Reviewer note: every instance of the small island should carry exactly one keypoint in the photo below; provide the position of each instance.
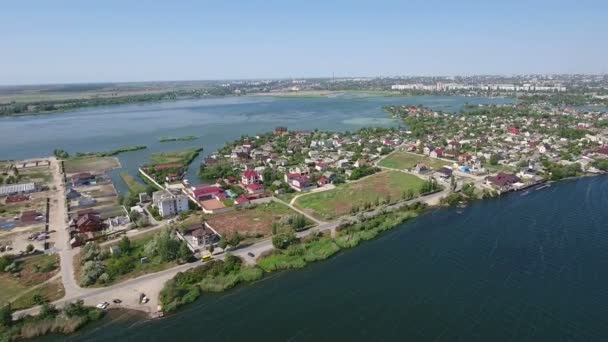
(184, 138)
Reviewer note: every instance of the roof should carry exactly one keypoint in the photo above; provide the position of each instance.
(254, 187)
(241, 199)
(206, 190)
(82, 175)
(503, 179)
(86, 218)
(250, 174)
(16, 188)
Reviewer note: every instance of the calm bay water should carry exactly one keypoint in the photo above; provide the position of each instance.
(516, 268)
(215, 121)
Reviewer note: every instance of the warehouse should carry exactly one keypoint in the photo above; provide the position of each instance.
(11, 189)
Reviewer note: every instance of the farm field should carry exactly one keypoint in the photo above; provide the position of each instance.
(405, 160)
(331, 204)
(250, 222)
(90, 164)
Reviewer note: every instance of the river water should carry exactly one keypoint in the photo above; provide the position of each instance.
(516, 268)
(215, 120)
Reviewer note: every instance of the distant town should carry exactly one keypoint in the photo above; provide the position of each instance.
(563, 89)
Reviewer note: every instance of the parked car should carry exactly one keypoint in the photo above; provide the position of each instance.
(103, 305)
(117, 301)
(251, 254)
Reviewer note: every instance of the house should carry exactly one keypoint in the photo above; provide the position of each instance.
(204, 192)
(464, 157)
(421, 168)
(72, 194)
(323, 181)
(241, 200)
(144, 197)
(202, 236)
(361, 162)
(444, 172)
(513, 130)
(172, 177)
(250, 177)
(280, 130)
(298, 182)
(503, 181)
(254, 188)
(89, 222)
(169, 204)
(436, 153)
(320, 166)
(83, 178)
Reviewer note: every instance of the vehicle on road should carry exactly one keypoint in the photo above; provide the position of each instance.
(143, 299)
(103, 305)
(251, 254)
(117, 301)
(206, 257)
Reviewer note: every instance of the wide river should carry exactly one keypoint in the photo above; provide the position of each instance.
(216, 121)
(517, 268)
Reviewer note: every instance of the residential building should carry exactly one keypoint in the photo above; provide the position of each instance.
(169, 204)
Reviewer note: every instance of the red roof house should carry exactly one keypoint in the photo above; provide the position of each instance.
(250, 177)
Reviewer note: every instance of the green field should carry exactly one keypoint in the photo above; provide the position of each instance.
(31, 271)
(90, 164)
(404, 160)
(388, 185)
(183, 157)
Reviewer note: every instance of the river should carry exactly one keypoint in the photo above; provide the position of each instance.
(515, 268)
(215, 120)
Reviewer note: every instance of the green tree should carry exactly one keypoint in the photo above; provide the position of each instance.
(222, 243)
(125, 245)
(184, 254)
(6, 315)
(284, 238)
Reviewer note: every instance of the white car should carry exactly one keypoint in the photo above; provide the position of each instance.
(103, 305)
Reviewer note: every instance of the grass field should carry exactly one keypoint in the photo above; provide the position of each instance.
(404, 160)
(253, 221)
(182, 156)
(90, 164)
(341, 200)
(50, 292)
(36, 174)
(133, 185)
(29, 275)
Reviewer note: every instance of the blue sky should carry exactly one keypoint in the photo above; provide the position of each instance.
(97, 41)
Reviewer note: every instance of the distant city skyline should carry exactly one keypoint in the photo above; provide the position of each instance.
(113, 41)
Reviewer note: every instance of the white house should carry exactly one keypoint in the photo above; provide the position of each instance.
(169, 204)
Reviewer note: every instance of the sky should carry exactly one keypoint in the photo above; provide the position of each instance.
(121, 41)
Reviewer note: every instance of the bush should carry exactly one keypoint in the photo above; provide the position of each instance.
(90, 272)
